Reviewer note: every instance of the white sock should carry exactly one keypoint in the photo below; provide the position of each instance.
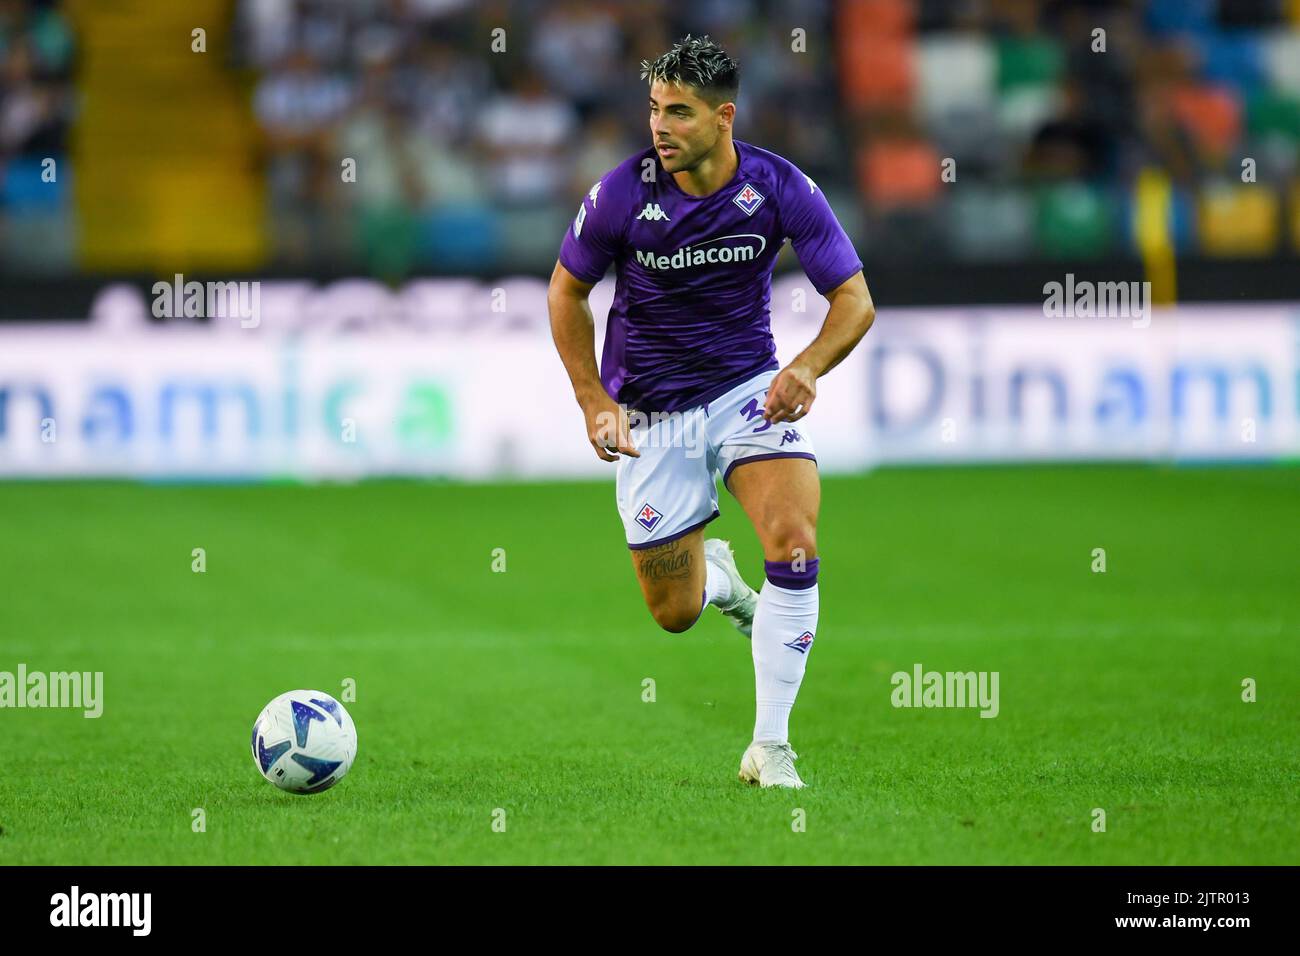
(717, 586)
(780, 648)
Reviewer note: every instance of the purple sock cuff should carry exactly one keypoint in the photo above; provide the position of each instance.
(782, 574)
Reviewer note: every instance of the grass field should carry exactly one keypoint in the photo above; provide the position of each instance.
(522, 690)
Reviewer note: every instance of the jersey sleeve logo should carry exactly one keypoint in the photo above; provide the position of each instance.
(582, 217)
(748, 199)
(595, 190)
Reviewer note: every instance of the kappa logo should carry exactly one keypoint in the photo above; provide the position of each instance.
(791, 435)
(648, 517)
(748, 199)
(801, 643)
(653, 213)
(595, 191)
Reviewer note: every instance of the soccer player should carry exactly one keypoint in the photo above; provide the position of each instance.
(689, 385)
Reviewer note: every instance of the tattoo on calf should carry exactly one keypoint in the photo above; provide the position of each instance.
(666, 561)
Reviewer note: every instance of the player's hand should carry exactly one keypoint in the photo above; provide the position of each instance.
(791, 394)
(607, 428)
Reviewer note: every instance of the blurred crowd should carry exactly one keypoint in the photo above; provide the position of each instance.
(472, 147)
(36, 110)
(969, 130)
(1070, 122)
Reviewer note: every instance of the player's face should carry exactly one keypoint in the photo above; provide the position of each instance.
(683, 127)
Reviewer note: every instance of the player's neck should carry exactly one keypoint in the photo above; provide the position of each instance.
(713, 172)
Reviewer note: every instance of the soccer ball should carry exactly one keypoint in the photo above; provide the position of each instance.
(304, 741)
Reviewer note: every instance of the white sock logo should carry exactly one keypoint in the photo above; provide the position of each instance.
(801, 643)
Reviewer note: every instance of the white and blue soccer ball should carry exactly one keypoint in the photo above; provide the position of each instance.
(304, 741)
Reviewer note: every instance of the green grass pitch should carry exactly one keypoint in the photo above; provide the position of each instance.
(522, 690)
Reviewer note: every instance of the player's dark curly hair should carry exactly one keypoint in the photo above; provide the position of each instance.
(698, 62)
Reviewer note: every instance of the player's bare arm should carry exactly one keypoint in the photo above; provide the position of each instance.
(574, 330)
(795, 388)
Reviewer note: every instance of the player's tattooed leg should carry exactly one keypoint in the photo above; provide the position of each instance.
(672, 580)
(667, 561)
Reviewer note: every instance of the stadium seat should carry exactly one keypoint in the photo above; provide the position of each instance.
(899, 172)
(1023, 110)
(1074, 219)
(1171, 17)
(1029, 61)
(388, 238)
(874, 39)
(877, 17)
(22, 189)
(460, 237)
(1280, 54)
(877, 72)
(991, 222)
(530, 234)
(1270, 113)
(1231, 59)
(1210, 114)
(964, 136)
(954, 72)
(1236, 219)
(1028, 79)
(38, 241)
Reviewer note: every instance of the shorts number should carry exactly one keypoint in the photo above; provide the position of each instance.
(752, 411)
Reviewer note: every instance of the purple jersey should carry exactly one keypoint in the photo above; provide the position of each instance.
(690, 315)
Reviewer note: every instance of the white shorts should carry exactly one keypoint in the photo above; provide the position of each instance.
(671, 489)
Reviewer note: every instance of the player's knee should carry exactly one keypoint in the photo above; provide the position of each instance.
(789, 539)
(674, 617)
